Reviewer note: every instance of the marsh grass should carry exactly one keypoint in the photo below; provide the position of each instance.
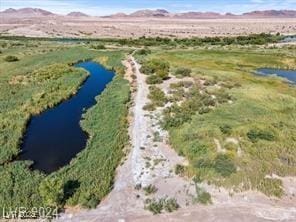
(259, 112)
(43, 77)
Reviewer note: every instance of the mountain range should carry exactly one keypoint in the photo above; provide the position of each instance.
(161, 13)
(158, 13)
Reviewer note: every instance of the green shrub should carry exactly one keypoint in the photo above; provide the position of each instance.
(197, 148)
(225, 129)
(157, 96)
(203, 163)
(182, 72)
(162, 73)
(143, 51)
(11, 59)
(224, 165)
(154, 66)
(171, 205)
(150, 189)
(204, 198)
(271, 187)
(179, 169)
(98, 47)
(52, 192)
(19, 186)
(157, 206)
(254, 135)
(149, 107)
(153, 79)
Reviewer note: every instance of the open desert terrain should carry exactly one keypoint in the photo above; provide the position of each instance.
(97, 27)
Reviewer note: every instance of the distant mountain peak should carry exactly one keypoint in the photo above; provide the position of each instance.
(9, 10)
(159, 13)
(77, 14)
(27, 12)
(150, 13)
(272, 13)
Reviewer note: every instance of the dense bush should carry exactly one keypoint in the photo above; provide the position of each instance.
(157, 96)
(179, 169)
(257, 39)
(149, 107)
(154, 206)
(153, 79)
(143, 51)
(224, 165)
(226, 129)
(150, 189)
(19, 186)
(11, 59)
(176, 115)
(182, 72)
(52, 192)
(98, 47)
(255, 134)
(171, 205)
(154, 66)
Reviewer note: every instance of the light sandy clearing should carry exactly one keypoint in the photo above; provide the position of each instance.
(95, 27)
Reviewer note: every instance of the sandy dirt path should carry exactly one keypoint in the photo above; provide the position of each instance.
(152, 162)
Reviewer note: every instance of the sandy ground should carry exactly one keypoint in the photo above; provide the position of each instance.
(125, 203)
(59, 26)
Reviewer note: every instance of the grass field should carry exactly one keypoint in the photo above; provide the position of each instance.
(242, 127)
(41, 77)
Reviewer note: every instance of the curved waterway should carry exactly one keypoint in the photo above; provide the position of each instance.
(54, 137)
(287, 74)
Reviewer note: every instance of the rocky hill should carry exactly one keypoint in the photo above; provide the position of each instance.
(26, 12)
(77, 14)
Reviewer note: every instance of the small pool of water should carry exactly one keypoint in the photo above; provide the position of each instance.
(54, 137)
(288, 74)
(289, 39)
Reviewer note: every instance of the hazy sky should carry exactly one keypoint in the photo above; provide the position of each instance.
(105, 7)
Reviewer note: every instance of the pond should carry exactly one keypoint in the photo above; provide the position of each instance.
(289, 39)
(287, 74)
(54, 137)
